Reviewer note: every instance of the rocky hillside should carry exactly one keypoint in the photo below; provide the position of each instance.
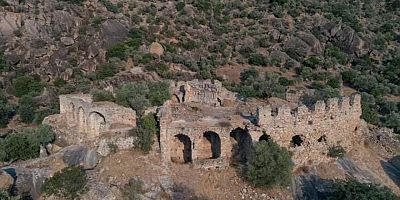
(74, 46)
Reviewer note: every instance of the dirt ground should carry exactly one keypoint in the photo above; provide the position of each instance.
(222, 184)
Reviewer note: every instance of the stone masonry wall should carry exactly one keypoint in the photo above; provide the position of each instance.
(335, 122)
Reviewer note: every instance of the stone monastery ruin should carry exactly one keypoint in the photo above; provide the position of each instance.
(89, 120)
(208, 126)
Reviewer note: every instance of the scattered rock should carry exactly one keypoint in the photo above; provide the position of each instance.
(6, 181)
(67, 41)
(156, 49)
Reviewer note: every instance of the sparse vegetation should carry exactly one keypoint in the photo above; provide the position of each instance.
(352, 189)
(25, 85)
(336, 152)
(69, 183)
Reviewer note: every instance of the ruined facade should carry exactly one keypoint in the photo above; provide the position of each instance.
(212, 134)
(81, 119)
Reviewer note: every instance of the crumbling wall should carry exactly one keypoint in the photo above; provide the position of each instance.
(206, 92)
(87, 120)
(308, 133)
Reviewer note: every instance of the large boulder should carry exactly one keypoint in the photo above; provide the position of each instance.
(156, 49)
(6, 180)
(113, 32)
(80, 155)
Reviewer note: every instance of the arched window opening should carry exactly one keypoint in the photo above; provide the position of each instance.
(322, 139)
(297, 141)
(264, 137)
(215, 141)
(182, 149)
(242, 146)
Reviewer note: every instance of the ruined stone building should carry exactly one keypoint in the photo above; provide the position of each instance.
(82, 121)
(198, 127)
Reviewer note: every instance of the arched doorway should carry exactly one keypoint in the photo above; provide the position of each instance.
(214, 147)
(264, 137)
(242, 146)
(96, 124)
(297, 141)
(181, 149)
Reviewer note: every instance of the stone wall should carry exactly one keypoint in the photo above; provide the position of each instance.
(224, 133)
(206, 92)
(308, 133)
(89, 120)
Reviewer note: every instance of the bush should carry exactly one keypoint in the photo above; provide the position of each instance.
(102, 95)
(26, 109)
(269, 165)
(353, 190)
(20, 146)
(133, 190)
(146, 130)
(69, 183)
(336, 152)
(106, 70)
(258, 59)
(117, 51)
(24, 85)
(140, 95)
(6, 111)
(25, 145)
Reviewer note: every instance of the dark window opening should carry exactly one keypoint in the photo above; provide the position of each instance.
(297, 141)
(264, 137)
(322, 139)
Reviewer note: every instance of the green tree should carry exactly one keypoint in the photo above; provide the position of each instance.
(69, 183)
(44, 134)
(146, 130)
(26, 109)
(354, 190)
(6, 113)
(269, 165)
(21, 146)
(24, 85)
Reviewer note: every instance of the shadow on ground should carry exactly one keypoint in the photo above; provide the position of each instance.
(392, 169)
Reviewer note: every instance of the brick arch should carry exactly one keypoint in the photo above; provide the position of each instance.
(211, 145)
(96, 123)
(241, 144)
(181, 149)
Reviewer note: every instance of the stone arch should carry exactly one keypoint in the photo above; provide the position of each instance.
(183, 91)
(297, 141)
(181, 149)
(242, 145)
(213, 149)
(81, 119)
(264, 137)
(176, 98)
(71, 115)
(96, 124)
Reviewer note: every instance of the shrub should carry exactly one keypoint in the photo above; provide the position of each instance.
(117, 51)
(26, 85)
(133, 190)
(140, 95)
(106, 70)
(102, 95)
(269, 165)
(258, 59)
(147, 129)
(336, 152)
(352, 190)
(25, 145)
(69, 183)
(6, 112)
(20, 146)
(26, 109)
